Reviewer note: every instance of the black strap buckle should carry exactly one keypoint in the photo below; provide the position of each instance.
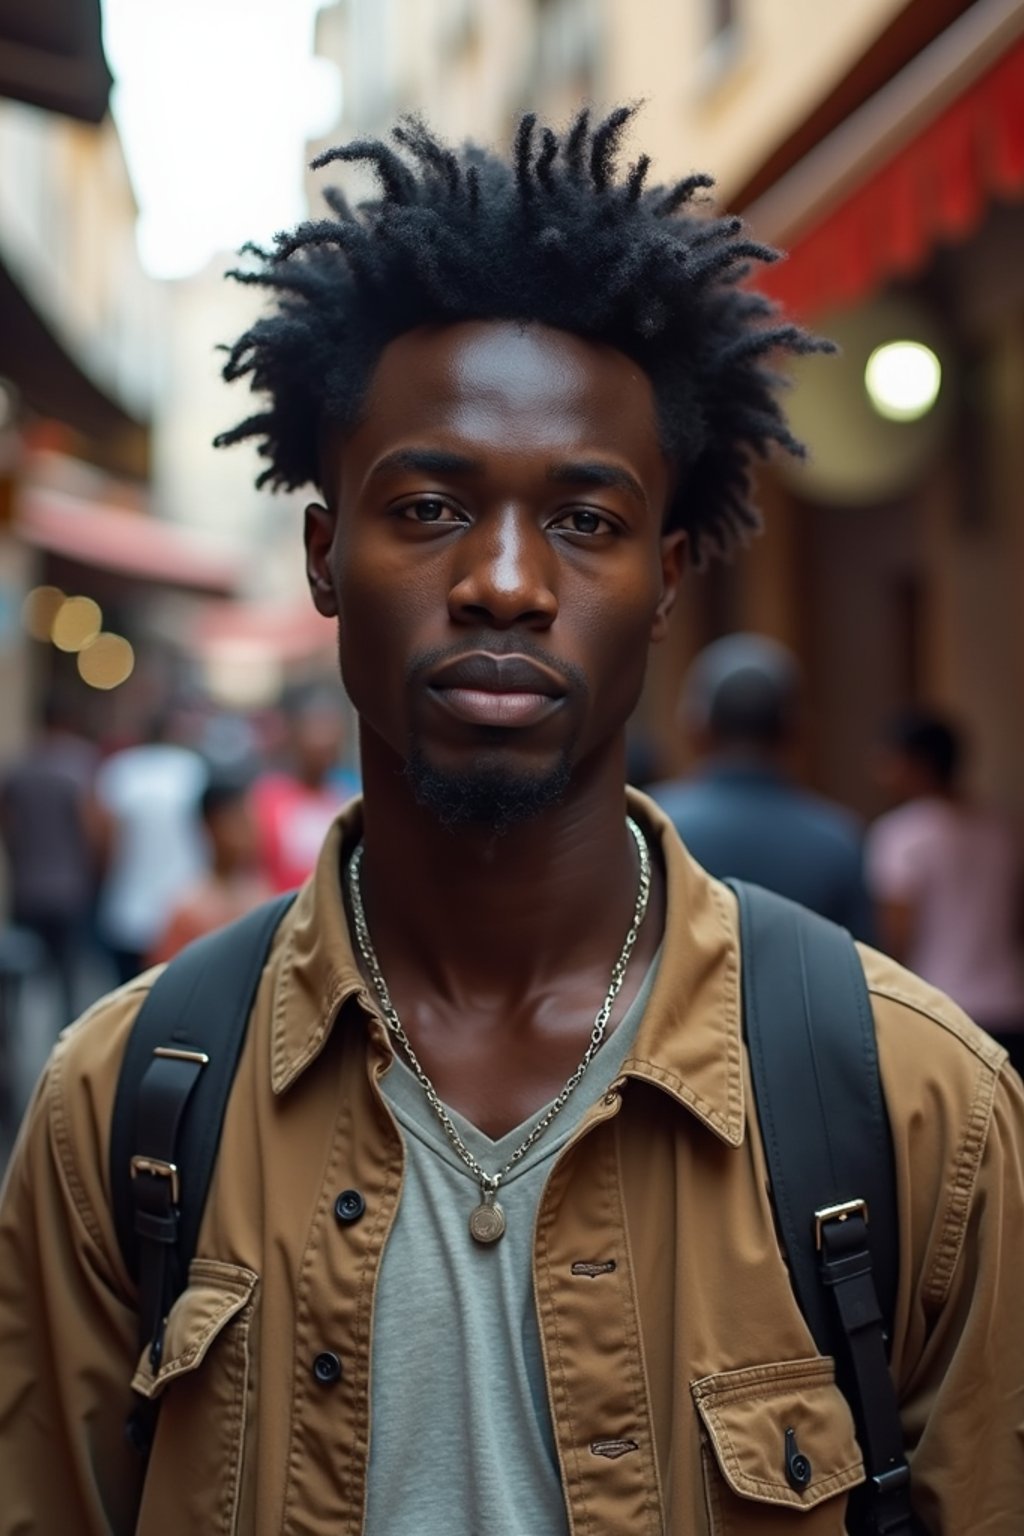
(160, 1169)
(841, 1212)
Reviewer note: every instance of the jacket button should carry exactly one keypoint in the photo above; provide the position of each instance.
(327, 1368)
(349, 1205)
(798, 1468)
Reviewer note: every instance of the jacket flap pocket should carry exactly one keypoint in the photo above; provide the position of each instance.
(215, 1294)
(747, 1415)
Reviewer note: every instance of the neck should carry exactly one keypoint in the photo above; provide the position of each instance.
(470, 912)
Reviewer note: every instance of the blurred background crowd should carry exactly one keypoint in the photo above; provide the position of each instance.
(172, 738)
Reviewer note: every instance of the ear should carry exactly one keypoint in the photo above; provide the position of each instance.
(318, 536)
(673, 565)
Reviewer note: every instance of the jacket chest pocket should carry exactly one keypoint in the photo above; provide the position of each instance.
(194, 1477)
(779, 1449)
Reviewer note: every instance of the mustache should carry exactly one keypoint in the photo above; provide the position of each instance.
(426, 663)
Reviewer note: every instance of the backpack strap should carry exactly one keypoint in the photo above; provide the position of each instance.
(814, 1063)
(176, 1075)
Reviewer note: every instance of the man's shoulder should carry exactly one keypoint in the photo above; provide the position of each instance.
(68, 1121)
(89, 1051)
(956, 1112)
(938, 1066)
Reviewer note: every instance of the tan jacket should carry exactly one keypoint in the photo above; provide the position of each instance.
(673, 1371)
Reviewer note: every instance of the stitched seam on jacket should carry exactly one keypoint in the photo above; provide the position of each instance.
(303, 1316)
(683, 1090)
(183, 1362)
(965, 1175)
(980, 1045)
(236, 1426)
(726, 904)
(65, 1159)
(363, 1332)
(637, 1382)
(833, 1483)
(811, 1372)
(713, 1480)
(725, 1399)
(561, 1384)
(285, 1071)
(635, 1336)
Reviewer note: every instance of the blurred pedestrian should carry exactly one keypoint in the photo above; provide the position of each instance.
(741, 814)
(233, 884)
(149, 800)
(946, 877)
(295, 805)
(50, 835)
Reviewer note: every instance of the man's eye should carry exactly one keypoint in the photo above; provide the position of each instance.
(428, 509)
(583, 520)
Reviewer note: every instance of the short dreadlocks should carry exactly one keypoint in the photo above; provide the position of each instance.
(556, 237)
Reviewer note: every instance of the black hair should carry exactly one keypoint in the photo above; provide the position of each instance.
(743, 689)
(555, 236)
(749, 709)
(931, 741)
(223, 788)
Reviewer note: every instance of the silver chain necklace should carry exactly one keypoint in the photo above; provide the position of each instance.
(487, 1220)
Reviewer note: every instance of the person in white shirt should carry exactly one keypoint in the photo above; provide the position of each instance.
(945, 876)
(148, 797)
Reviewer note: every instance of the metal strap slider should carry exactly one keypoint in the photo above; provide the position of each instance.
(837, 1213)
(161, 1170)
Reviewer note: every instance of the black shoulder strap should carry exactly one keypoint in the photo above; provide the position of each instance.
(172, 1092)
(814, 1063)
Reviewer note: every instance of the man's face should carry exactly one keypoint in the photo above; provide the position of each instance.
(492, 546)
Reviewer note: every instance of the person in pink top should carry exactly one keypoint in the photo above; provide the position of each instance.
(945, 876)
(233, 883)
(295, 806)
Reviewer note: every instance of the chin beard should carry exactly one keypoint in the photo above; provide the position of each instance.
(486, 796)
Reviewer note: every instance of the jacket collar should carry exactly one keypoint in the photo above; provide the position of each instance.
(689, 1043)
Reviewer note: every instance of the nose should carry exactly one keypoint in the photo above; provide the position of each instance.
(506, 575)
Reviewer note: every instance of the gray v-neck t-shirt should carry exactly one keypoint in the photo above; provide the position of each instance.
(461, 1435)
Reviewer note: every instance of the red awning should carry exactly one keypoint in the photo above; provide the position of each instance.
(935, 189)
(284, 631)
(131, 544)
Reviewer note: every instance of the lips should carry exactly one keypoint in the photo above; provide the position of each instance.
(507, 691)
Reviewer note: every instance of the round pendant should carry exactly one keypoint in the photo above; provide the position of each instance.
(487, 1222)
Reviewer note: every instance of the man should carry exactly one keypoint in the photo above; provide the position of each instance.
(490, 1215)
(741, 815)
(49, 831)
(148, 796)
(946, 876)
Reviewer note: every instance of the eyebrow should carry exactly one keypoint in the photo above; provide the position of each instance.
(439, 461)
(594, 473)
(429, 461)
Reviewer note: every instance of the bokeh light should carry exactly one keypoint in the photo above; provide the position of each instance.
(39, 610)
(107, 663)
(76, 624)
(903, 379)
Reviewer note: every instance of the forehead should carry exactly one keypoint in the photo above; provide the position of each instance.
(512, 387)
